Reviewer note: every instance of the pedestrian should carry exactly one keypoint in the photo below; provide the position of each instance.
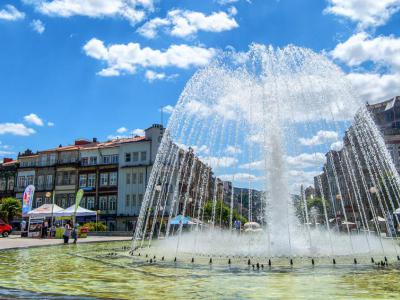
(45, 228)
(23, 225)
(67, 232)
(74, 233)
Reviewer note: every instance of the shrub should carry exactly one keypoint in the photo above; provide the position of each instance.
(93, 226)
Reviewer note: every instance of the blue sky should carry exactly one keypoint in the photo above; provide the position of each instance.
(72, 68)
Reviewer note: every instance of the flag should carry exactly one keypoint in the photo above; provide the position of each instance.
(78, 199)
(27, 199)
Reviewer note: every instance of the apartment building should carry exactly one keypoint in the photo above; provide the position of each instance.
(8, 171)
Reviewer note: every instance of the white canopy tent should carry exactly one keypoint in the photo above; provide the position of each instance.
(44, 211)
(80, 212)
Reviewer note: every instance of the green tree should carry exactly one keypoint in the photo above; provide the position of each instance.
(222, 212)
(10, 208)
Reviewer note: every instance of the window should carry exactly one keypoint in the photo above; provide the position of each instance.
(49, 180)
(106, 159)
(112, 203)
(71, 199)
(52, 159)
(103, 179)
(140, 199)
(90, 202)
(72, 178)
(85, 161)
(140, 178)
(114, 159)
(83, 202)
(43, 160)
(134, 203)
(143, 156)
(113, 178)
(135, 156)
(134, 178)
(127, 157)
(59, 178)
(21, 181)
(11, 184)
(82, 180)
(47, 200)
(91, 181)
(39, 202)
(128, 201)
(103, 203)
(128, 178)
(29, 179)
(40, 181)
(2, 184)
(65, 178)
(93, 160)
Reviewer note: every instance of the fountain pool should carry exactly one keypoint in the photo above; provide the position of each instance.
(88, 271)
(248, 134)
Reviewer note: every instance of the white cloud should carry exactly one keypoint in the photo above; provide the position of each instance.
(233, 150)
(132, 10)
(306, 160)
(50, 124)
(239, 177)
(367, 13)
(361, 48)
(151, 75)
(38, 26)
(320, 138)
(183, 23)
(168, 109)
(219, 161)
(255, 165)
(382, 51)
(138, 131)
(375, 87)
(122, 130)
(33, 119)
(10, 13)
(225, 2)
(298, 178)
(125, 58)
(15, 129)
(337, 145)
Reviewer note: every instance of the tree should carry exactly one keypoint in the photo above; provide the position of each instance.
(222, 212)
(9, 208)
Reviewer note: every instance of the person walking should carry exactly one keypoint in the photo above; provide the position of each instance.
(67, 232)
(74, 233)
(45, 228)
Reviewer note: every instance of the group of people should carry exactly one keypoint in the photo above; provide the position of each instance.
(70, 231)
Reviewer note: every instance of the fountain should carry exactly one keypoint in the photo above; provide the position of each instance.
(270, 122)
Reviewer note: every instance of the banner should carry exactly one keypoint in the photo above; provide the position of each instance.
(78, 199)
(27, 199)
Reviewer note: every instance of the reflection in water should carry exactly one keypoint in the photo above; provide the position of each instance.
(91, 271)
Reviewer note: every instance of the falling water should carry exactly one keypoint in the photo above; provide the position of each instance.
(248, 133)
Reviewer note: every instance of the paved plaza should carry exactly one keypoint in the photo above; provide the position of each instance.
(14, 241)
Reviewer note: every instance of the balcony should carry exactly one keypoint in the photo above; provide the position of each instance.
(44, 187)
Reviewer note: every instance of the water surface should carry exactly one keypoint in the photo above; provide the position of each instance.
(93, 271)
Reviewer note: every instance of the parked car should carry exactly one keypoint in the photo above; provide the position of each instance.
(5, 229)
